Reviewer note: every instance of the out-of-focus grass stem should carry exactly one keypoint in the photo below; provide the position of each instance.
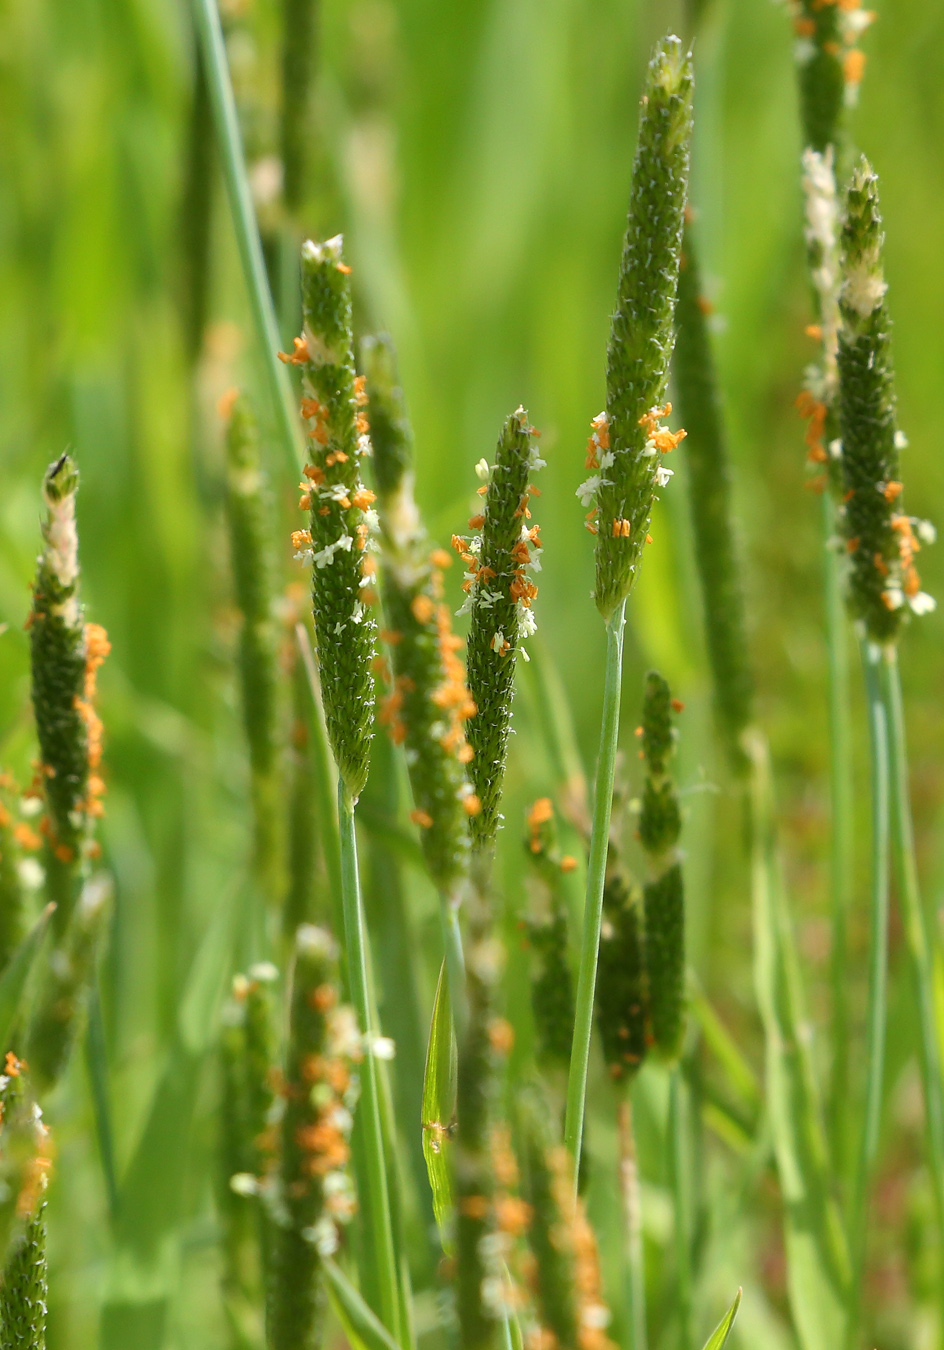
(904, 864)
(634, 1266)
(596, 872)
(857, 1218)
(207, 19)
(677, 1179)
(841, 837)
(356, 942)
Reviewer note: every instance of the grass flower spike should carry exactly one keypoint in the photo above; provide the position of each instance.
(710, 504)
(880, 540)
(25, 1147)
(429, 703)
(500, 592)
(340, 506)
(622, 983)
(629, 440)
(66, 654)
(247, 512)
(829, 63)
(314, 1193)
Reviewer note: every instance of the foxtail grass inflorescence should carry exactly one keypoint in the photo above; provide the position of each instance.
(247, 513)
(499, 557)
(429, 703)
(313, 1191)
(567, 1286)
(300, 19)
(340, 506)
(25, 1154)
(66, 654)
(552, 988)
(622, 981)
(711, 507)
(880, 540)
(829, 63)
(627, 446)
(628, 440)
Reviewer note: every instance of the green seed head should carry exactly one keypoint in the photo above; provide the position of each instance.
(429, 703)
(664, 905)
(65, 656)
(880, 540)
(622, 1000)
(716, 552)
(567, 1277)
(552, 990)
(628, 440)
(248, 513)
(829, 64)
(500, 591)
(338, 542)
(319, 1098)
(24, 1162)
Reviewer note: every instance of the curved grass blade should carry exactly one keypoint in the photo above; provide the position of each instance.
(439, 1101)
(720, 1334)
(362, 1327)
(13, 980)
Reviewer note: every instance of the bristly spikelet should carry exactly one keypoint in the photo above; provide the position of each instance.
(552, 989)
(716, 553)
(880, 540)
(568, 1288)
(663, 894)
(429, 703)
(499, 598)
(628, 441)
(24, 1143)
(65, 656)
(829, 63)
(313, 1192)
(342, 517)
(247, 514)
(622, 1000)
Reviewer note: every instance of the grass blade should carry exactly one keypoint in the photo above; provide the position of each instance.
(719, 1336)
(439, 1101)
(362, 1327)
(817, 1256)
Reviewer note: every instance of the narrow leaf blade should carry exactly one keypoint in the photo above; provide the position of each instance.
(361, 1325)
(719, 1336)
(439, 1100)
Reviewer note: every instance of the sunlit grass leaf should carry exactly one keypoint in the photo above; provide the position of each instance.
(362, 1327)
(14, 978)
(439, 1100)
(719, 1336)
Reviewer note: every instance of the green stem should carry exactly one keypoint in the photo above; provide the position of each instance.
(226, 122)
(917, 933)
(455, 962)
(677, 1170)
(635, 1281)
(355, 935)
(596, 873)
(878, 973)
(841, 850)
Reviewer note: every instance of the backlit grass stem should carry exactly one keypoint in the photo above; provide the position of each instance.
(596, 876)
(857, 1218)
(355, 937)
(229, 142)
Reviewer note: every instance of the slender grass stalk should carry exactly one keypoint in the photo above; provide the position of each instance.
(677, 1181)
(196, 212)
(920, 945)
(300, 19)
(596, 877)
(841, 850)
(634, 1265)
(355, 936)
(857, 1220)
(229, 142)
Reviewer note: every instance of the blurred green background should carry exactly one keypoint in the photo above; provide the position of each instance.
(476, 155)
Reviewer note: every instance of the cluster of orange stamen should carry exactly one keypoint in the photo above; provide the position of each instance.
(664, 440)
(97, 648)
(908, 546)
(814, 411)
